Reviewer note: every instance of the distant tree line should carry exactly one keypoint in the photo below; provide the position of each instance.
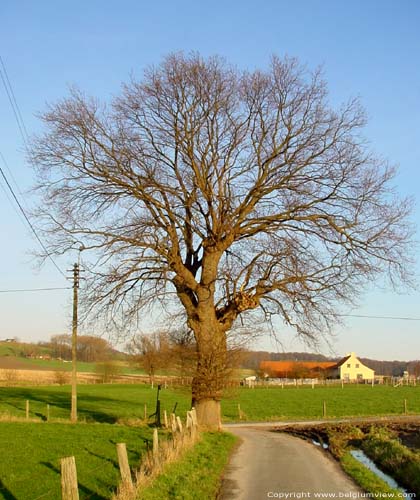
(90, 349)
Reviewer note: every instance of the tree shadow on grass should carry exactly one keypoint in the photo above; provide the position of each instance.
(85, 492)
(5, 492)
(61, 400)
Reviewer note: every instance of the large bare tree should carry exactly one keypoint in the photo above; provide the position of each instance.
(232, 191)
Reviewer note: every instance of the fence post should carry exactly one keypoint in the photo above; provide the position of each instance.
(145, 411)
(324, 409)
(179, 424)
(194, 416)
(239, 412)
(405, 407)
(155, 446)
(27, 409)
(165, 419)
(48, 413)
(173, 422)
(69, 489)
(189, 420)
(124, 466)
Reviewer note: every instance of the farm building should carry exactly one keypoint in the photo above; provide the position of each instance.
(349, 368)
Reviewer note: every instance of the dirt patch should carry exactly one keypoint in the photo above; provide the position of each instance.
(407, 429)
(14, 363)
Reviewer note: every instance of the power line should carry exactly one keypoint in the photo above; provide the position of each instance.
(15, 290)
(404, 318)
(29, 222)
(13, 102)
(24, 133)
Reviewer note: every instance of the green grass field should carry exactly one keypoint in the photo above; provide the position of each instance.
(104, 403)
(112, 403)
(274, 403)
(31, 452)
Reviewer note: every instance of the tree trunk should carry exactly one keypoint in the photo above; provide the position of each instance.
(210, 376)
(208, 413)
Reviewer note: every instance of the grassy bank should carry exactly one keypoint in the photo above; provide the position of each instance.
(365, 478)
(197, 474)
(383, 447)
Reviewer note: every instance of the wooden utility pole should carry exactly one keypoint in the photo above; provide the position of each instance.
(73, 416)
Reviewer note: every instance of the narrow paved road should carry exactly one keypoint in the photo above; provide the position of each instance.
(275, 465)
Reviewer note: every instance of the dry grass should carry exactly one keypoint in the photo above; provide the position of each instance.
(153, 464)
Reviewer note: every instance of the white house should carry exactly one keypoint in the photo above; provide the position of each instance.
(350, 368)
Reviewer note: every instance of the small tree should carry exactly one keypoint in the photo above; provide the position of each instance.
(150, 352)
(234, 191)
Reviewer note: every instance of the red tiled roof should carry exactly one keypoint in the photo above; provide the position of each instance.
(281, 368)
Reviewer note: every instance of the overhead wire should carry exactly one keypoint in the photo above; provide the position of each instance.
(16, 290)
(24, 133)
(13, 102)
(404, 318)
(30, 223)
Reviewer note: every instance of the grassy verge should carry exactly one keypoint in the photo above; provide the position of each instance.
(382, 447)
(394, 458)
(197, 474)
(365, 478)
(31, 452)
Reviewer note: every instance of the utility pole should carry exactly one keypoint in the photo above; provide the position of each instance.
(73, 416)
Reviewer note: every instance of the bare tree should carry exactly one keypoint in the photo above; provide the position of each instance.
(183, 351)
(150, 352)
(230, 191)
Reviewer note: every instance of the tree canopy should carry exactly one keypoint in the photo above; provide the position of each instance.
(231, 190)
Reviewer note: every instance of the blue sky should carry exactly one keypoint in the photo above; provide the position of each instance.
(368, 49)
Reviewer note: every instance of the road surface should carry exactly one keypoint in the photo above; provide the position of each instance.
(276, 465)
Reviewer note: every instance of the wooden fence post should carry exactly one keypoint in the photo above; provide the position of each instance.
(155, 446)
(179, 424)
(27, 409)
(324, 409)
(405, 407)
(48, 413)
(189, 420)
(239, 412)
(173, 422)
(145, 411)
(194, 416)
(124, 466)
(165, 419)
(69, 489)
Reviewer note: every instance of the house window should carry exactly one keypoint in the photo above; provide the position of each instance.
(359, 376)
(357, 365)
(348, 365)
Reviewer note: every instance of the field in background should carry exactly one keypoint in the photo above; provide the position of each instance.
(115, 402)
(108, 403)
(303, 402)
